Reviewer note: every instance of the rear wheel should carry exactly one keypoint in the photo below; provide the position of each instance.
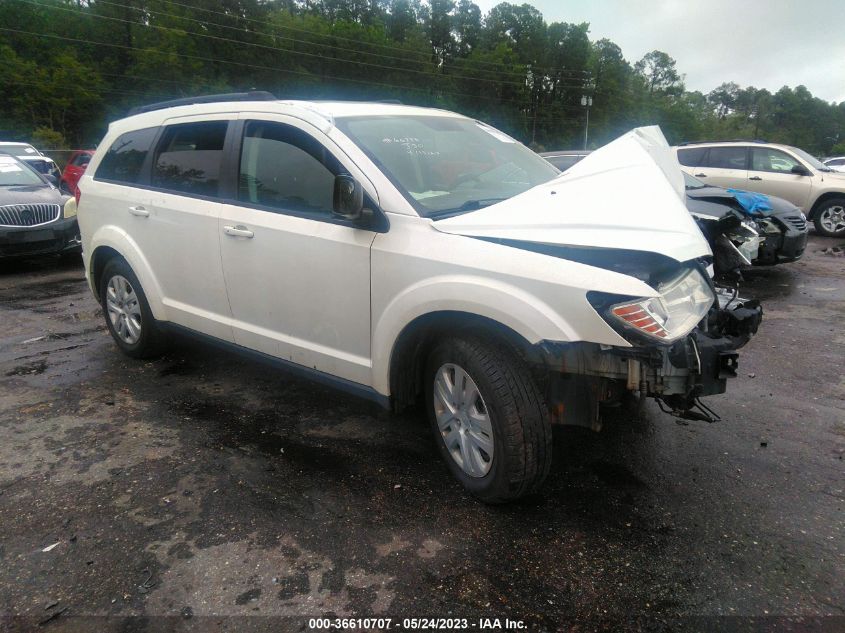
(128, 316)
(830, 218)
(488, 417)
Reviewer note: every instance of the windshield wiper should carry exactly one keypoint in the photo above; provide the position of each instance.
(469, 205)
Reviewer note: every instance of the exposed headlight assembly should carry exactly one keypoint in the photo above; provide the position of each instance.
(684, 300)
(746, 240)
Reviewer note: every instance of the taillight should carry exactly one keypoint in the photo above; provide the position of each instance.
(77, 194)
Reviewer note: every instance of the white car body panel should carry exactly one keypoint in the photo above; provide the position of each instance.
(335, 298)
(418, 270)
(569, 210)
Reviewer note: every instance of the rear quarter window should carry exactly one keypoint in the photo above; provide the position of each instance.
(124, 159)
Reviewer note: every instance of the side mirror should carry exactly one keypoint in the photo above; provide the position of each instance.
(799, 170)
(348, 198)
(52, 179)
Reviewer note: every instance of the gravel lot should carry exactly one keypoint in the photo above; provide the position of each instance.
(202, 486)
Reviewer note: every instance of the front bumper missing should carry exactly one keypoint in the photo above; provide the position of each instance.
(698, 365)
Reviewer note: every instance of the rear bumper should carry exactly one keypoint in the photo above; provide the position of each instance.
(59, 237)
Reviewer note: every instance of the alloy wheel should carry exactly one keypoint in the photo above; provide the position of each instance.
(833, 218)
(463, 420)
(123, 309)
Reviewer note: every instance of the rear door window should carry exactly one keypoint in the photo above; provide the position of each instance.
(731, 157)
(123, 162)
(189, 157)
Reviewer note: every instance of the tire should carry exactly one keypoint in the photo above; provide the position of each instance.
(516, 415)
(829, 218)
(123, 300)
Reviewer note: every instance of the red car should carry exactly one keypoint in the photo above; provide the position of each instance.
(74, 169)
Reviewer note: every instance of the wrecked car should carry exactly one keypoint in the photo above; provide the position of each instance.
(781, 226)
(413, 256)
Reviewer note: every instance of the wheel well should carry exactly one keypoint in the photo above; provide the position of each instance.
(99, 259)
(417, 339)
(824, 198)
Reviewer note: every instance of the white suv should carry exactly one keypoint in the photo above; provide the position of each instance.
(778, 170)
(411, 255)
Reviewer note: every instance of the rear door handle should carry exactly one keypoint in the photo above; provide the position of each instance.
(755, 178)
(140, 211)
(701, 175)
(238, 231)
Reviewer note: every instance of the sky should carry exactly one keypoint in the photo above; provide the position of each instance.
(761, 43)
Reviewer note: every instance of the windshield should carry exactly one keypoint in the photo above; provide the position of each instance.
(18, 150)
(15, 174)
(692, 183)
(812, 160)
(447, 165)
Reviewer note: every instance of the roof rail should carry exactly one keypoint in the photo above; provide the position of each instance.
(254, 95)
(728, 140)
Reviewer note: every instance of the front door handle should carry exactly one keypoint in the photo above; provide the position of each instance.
(238, 231)
(755, 178)
(140, 211)
(701, 175)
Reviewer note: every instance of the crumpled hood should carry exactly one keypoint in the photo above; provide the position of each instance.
(627, 195)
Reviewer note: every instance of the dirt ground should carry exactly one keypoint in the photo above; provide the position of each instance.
(186, 492)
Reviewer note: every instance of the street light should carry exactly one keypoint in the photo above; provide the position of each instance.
(586, 102)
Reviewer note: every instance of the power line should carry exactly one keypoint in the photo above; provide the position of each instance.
(569, 74)
(255, 66)
(42, 84)
(276, 49)
(339, 37)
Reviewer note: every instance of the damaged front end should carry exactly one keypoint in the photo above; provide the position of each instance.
(734, 240)
(671, 362)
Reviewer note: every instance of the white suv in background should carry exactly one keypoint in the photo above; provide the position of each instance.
(837, 163)
(411, 255)
(778, 170)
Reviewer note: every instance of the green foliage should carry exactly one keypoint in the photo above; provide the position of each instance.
(47, 138)
(71, 67)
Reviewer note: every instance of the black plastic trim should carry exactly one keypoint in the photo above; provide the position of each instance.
(255, 95)
(341, 384)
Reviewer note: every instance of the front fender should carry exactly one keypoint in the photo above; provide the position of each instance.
(511, 306)
(110, 236)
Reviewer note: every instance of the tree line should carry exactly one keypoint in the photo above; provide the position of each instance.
(67, 67)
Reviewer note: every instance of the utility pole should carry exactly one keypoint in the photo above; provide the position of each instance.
(586, 102)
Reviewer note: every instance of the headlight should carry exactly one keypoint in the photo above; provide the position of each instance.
(70, 208)
(684, 300)
(768, 226)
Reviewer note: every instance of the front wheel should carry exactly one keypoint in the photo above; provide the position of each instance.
(489, 419)
(830, 218)
(128, 316)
